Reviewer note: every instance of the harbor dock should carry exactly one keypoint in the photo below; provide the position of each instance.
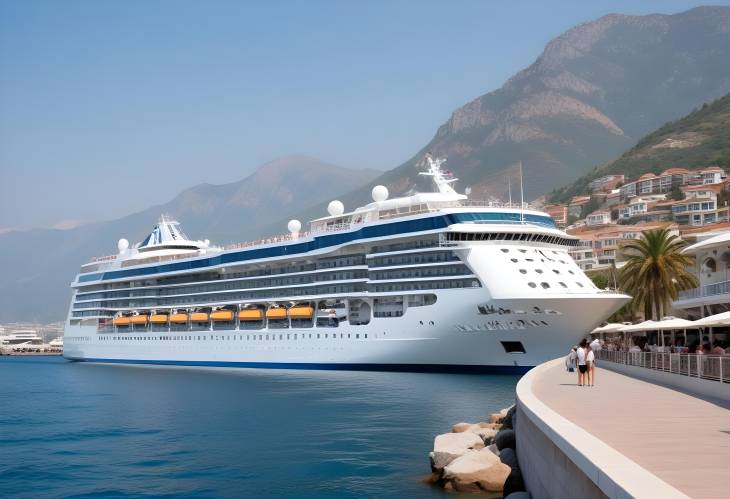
(624, 437)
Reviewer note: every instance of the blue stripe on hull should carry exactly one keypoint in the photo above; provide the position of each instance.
(420, 368)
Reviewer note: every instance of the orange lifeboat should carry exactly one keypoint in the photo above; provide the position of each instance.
(250, 314)
(179, 318)
(222, 315)
(158, 319)
(199, 317)
(121, 321)
(276, 313)
(300, 312)
(139, 320)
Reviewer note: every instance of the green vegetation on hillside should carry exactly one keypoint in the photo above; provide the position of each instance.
(700, 139)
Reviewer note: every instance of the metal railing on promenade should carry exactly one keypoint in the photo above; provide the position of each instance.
(711, 367)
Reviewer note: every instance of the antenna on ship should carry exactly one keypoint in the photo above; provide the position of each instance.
(522, 198)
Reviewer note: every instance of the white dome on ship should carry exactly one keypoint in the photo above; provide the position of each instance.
(379, 193)
(122, 245)
(335, 208)
(294, 226)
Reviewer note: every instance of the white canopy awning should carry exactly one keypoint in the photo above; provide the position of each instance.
(676, 323)
(722, 319)
(642, 326)
(609, 328)
(665, 324)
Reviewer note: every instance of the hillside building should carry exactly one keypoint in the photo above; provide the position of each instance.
(606, 183)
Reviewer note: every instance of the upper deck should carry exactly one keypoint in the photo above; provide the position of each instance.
(421, 212)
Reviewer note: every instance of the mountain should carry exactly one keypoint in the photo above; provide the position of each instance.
(38, 265)
(592, 93)
(700, 139)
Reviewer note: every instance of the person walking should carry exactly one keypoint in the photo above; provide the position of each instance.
(590, 365)
(581, 354)
(570, 359)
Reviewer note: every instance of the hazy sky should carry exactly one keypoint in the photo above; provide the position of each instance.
(109, 107)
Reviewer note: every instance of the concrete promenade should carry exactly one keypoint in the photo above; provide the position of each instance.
(682, 440)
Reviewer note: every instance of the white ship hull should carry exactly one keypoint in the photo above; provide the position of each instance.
(449, 336)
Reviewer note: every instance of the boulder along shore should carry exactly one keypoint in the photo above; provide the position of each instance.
(480, 457)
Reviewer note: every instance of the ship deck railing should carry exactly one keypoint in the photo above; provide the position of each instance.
(705, 366)
(398, 212)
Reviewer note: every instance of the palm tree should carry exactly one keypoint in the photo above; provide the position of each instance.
(656, 271)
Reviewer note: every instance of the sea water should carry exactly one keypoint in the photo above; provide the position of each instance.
(89, 430)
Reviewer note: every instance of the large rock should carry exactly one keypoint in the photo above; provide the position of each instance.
(497, 417)
(495, 426)
(514, 482)
(505, 439)
(493, 449)
(508, 456)
(449, 446)
(486, 434)
(475, 471)
(461, 427)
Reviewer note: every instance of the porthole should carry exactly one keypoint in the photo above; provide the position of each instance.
(532, 284)
(556, 271)
(514, 260)
(579, 284)
(504, 250)
(523, 251)
(563, 285)
(523, 271)
(545, 285)
(539, 271)
(571, 272)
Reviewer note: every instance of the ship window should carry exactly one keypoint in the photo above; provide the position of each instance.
(563, 285)
(539, 271)
(544, 285)
(504, 250)
(513, 346)
(523, 271)
(556, 271)
(579, 284)
(513, 260)
(532, 284)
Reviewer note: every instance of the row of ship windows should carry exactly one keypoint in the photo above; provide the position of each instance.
(414, 258)
(546, 285)
(119, 289)
(289, 268)
(379, 275)
(237, 337)
(305, 291)
(540, 271)
(510, 236)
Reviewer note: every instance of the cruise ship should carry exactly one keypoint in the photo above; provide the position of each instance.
(426, 282)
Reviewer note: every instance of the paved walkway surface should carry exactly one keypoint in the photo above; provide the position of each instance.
(683, 440)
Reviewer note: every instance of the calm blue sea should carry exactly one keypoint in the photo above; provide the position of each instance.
(84, 430)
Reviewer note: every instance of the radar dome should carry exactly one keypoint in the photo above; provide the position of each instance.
(123, 245)
(335, 208)
(294, 226)
(379, 193)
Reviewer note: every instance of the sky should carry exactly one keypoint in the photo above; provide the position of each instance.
(107, 108)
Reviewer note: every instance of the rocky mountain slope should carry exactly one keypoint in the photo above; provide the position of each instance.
(38, 265)
(700, 139)
(593, 92)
